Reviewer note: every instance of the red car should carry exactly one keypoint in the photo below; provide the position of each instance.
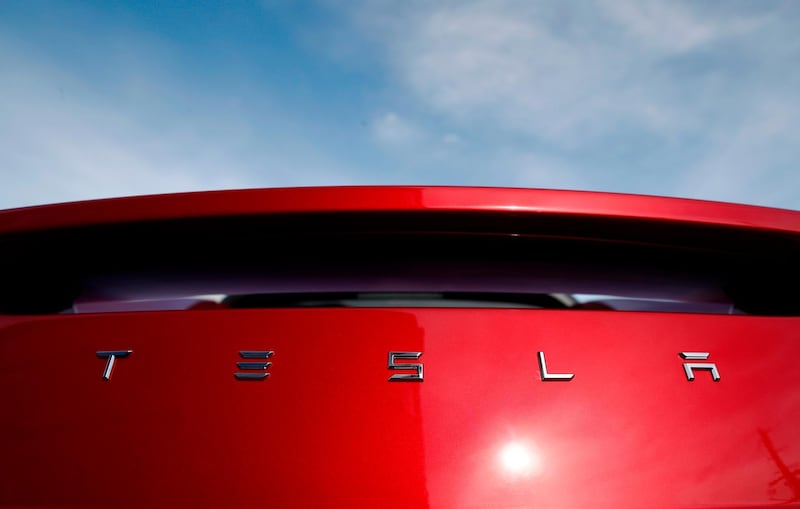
(399, 347)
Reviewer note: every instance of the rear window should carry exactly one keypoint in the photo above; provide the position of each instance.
(388, 262)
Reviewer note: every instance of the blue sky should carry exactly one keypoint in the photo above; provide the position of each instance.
(111, 98)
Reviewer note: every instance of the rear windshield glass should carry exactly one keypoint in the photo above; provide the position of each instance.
(209, 267)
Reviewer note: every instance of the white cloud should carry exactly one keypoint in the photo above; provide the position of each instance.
(553, 70)
(671, 27)
(693, 82)
(64, 137)
(649, 96)
(757, 158)
(391, 129)
(77, 151)
(451, 139)
(539, 171)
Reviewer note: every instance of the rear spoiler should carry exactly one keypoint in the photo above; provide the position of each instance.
(314, 241)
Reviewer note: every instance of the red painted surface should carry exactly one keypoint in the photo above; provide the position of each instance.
(173, 428)
(371, 199)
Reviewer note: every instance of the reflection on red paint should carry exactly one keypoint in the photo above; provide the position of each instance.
(518, 459)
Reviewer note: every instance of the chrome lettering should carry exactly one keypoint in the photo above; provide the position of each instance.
(418, 367)
(550, 377)
(689, 367)
(259, 366)
(112, 356)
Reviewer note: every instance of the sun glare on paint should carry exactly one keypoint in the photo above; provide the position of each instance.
(518, 459)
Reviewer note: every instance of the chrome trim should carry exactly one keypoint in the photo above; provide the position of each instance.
(551, 377)
(251, 376)
(694, 356)
(418, 366)
(256, 354)
(253, 366)
(689, 367)
(112, 356)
